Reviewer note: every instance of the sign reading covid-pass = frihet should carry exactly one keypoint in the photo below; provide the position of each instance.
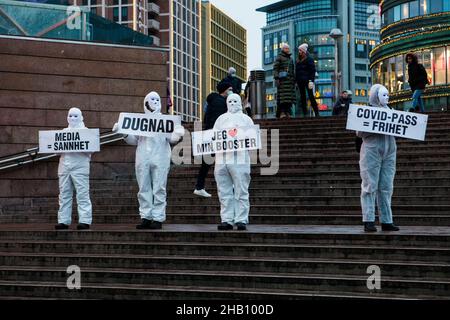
(147, 125)
(70, 140)
(402, 124)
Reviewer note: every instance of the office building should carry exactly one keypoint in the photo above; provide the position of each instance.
(224, 45)
(310, 21)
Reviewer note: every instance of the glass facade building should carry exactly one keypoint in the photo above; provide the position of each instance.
(421, 27)
(224, 45)
(310, 21)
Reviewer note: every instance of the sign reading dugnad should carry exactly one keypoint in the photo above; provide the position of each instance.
(66, 141)
(147, 125)
(220, 141)
(386, 121)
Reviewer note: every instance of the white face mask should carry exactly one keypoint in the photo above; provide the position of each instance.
(229, 92)
(234, 103)
(75, 118)
(383, 96)
(152, 103)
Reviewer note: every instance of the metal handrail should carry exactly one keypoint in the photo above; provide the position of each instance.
(31, 155)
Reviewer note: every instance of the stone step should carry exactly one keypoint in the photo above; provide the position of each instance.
(408, 236)
(214, 279)
(255, 208)
(25, 289)
(212, 263)
(268, 219)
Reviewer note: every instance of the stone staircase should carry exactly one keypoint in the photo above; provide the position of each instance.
(305, 239)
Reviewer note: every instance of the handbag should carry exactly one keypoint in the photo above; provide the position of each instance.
(283, 75)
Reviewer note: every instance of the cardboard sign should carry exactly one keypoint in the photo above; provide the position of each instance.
(221, 141)
(385, 121)
(147, 125)
(66, 141)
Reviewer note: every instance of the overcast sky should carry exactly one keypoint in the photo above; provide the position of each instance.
(243, 11)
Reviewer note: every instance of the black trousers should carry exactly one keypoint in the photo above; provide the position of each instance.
(285, 108)
(303, 88)
(202, 174)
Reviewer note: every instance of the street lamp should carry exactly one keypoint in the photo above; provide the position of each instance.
(336, 34)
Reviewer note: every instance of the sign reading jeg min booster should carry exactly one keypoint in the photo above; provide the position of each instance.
(221, 141)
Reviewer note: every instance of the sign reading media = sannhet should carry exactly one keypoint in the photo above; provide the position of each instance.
(385, 121)
(147, 125)
(66, 141)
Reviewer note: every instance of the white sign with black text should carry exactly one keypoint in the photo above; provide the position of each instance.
(385, 121)
(147, 125)
(220, 141)
(71, 140)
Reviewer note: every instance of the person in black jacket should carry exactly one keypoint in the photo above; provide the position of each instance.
(341, 106)
(418, 79)
(232, 78)
(305, 73)
(217, 105)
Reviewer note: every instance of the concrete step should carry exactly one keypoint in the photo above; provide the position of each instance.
(231, 264)
(245, 280)
(268, 219)
(110, 291)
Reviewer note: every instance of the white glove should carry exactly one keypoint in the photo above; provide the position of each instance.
(310, 85)
(115, 127)
(177, 134)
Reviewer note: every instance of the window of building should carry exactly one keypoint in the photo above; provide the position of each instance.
(124, 13)
(439, 66)
(116, 14)
(448, 65)
(397, 13)
(423, 7)
(361, 48)
(436, 6)
(446, 5)
(361, 66)
(360, 79)
(405, 10)
(414, 8)
(428, 65)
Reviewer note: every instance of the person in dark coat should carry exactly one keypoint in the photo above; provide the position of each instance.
(284, 75)
(418, 79)
(217, 105)
(341, 106)
(247, 98)
(305, 73)
(232, 78)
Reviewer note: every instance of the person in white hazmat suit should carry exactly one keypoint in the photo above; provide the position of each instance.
(232, 171)
(377, 168)
(152, 166)
(73, 173)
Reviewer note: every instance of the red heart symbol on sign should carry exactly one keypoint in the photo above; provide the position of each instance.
(232, 132)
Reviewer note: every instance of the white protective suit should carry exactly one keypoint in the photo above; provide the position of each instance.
(153, 164)
(232, 169)
(73, 173)
(377, 165)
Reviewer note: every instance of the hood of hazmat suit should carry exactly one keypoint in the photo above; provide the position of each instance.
(232, 169)
(76, 161)
(152, 164)
(377, 164)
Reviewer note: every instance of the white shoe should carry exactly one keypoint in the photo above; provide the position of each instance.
(202, 193)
